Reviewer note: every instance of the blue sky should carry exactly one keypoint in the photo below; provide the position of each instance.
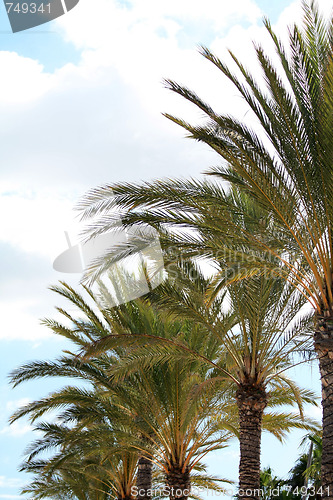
(81, 101)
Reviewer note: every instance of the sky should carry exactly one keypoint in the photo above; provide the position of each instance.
(81, 103)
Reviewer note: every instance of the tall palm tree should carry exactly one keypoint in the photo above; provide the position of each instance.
(93, 325)
(179, 417)
(263, 308)
(286, 168)
(270, 483)
(306, 471)
(291, 174)
(249, 350)
(169, 421)
(86, 464)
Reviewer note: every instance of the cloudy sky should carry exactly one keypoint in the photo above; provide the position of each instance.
(81, 101)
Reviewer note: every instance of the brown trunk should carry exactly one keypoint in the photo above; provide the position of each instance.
(179, 483)
(324, 348)
(251, 402)
(144, 479)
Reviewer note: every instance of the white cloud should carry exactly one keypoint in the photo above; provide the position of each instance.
(13, 405)
(315, 412)
(22, 80)
(111, 20)
(35, 223)
(100, 120)
(20, 321)
(150, 40)
(10, 482)
(10, 496)
(16, 430)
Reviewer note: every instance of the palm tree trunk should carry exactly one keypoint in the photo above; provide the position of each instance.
(179, 483)
(144, 478)
(324, 348)
(251, 402)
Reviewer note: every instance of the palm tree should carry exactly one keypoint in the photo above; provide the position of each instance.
(87, 463)
(179, 415)
(286, 169)
(103, 458)
(291, 175)
(169, 421)
(243, 346)
(93, 326)
(307, 469)
(271, 486)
